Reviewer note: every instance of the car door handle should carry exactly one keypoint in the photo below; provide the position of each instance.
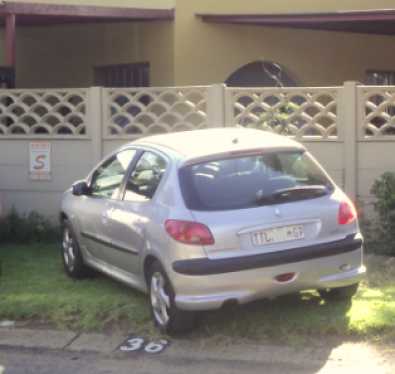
(104, 218)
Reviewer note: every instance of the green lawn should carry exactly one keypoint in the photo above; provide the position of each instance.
(34, 288)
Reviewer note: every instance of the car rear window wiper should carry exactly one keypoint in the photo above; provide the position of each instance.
(314, 190)
(292, 194)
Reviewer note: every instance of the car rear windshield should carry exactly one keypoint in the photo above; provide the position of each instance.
(251, 181)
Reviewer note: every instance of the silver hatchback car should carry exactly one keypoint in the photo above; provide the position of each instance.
(204, 218)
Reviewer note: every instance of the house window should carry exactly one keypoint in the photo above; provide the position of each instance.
(380, 78)
(123, 75)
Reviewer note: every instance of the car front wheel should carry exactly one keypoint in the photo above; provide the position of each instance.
(167, 317)
(72, 258)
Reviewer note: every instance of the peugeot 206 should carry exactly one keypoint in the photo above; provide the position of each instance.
(199, 219)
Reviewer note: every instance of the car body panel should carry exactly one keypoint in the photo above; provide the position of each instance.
(117, 236)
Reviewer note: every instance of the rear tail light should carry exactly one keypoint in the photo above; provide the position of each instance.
(189, 232)
(347, 213)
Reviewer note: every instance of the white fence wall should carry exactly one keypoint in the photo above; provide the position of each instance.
(132, 113)
(310, 115)
(375, 137)
(350, 129)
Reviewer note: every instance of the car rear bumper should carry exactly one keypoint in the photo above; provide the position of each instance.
(211, 291)
(206, 266)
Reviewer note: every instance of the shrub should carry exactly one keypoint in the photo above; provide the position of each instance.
(276, 120)
(33, 227)
(384, 191)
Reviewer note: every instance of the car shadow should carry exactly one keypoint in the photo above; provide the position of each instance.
(302, 323)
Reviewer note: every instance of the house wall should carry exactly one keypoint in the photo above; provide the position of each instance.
(64, 55)
(283, 6)
(156, 45)
(190, 51)
(315, 58)
(1, 49)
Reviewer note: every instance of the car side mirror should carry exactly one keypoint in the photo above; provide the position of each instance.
(80, 188)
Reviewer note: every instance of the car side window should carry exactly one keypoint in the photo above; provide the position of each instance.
(145, 177)
(107, 179)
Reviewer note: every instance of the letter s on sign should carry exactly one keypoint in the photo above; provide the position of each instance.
(39, 162)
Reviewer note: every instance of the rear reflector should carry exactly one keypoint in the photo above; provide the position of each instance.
(286, 277)
(187, 232)
(347, 213)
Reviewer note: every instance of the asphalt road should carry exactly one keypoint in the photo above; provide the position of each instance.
(26, 361)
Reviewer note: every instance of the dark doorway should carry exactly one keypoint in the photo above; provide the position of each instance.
(261, 74)
(7, 77)
(123, 75)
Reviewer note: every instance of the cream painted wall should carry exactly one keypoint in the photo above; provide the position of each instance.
(207, 53)
(160, 4)
(192, 52)
(1, 47)
(64, 56)
(233, 6)
(282, 6)
(157, 46)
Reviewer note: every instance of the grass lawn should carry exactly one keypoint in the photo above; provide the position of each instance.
(34, 288)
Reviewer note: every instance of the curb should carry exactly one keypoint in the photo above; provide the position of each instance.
(346, 354)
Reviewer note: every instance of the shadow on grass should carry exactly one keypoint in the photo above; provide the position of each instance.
(292, 319)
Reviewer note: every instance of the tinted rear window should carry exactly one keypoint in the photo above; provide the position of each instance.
(239, 183)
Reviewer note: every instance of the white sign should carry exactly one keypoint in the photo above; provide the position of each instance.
(40, 161)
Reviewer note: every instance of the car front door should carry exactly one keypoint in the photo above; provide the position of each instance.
(130, 215)
(105, 186)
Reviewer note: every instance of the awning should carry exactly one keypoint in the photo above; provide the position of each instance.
(380, 21)
(13, 14)
(38, 13)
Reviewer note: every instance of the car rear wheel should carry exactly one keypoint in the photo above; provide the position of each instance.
(341, 293)
(167, 317)
(72, 259)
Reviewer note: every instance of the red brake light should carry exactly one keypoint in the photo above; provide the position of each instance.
(347, 213)
(189, 232)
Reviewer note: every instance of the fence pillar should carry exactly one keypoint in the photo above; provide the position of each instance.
(348, 120)
(216, 105)
(94, 121)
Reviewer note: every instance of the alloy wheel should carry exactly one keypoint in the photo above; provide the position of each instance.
(68, 249)
(160, 300)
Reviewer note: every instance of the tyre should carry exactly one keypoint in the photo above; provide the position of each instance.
(167, 317)
(72, 258)
(341, 293)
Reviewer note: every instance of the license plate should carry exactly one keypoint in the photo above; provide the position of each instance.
(278, 235)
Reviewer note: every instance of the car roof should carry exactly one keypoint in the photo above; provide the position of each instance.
(199, 144)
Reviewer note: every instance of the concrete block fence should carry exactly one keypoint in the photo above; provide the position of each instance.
(350, 129)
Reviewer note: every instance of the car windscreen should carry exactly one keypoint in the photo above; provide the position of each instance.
(251, 181)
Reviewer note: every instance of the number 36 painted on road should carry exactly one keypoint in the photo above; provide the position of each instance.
(136, 344)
